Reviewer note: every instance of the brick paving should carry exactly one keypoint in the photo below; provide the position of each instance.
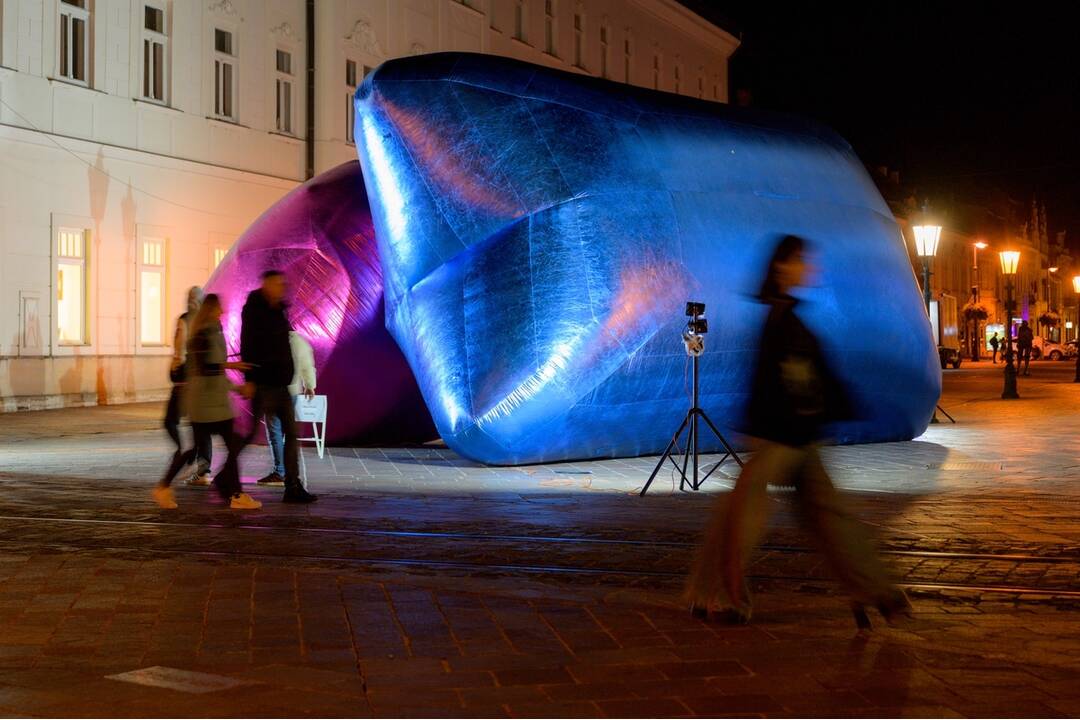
(391, 597)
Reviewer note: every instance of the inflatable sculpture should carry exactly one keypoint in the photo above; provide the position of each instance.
(320, 235)
(540, 232)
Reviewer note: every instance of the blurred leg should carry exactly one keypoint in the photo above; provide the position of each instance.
(748, 511)
(227, 480)
(845, 541)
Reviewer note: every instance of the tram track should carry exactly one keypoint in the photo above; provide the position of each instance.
(482, 546)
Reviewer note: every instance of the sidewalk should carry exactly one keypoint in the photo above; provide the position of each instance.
(421, 584)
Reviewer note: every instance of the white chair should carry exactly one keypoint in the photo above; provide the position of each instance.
(314, 412)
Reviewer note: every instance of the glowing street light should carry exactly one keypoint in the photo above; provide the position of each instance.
(927, 238)
(1010, 259)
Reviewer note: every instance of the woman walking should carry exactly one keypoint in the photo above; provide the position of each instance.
(206, 397)
(793, 396)
(177, 374)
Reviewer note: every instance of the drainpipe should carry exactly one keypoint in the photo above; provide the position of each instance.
(309, 131)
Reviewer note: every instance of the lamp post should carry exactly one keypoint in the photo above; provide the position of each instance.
(1049, 273)
(976, 341)
(1076, 289)
(1009, 260)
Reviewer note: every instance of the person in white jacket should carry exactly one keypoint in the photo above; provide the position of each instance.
(303, 382)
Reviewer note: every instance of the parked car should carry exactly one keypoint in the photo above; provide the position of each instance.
(1041, 347)
(1070, 349)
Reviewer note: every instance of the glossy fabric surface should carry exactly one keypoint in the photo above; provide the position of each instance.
(540, 232)
(321, 236)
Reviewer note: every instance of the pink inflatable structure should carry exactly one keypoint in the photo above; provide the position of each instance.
(320, 235)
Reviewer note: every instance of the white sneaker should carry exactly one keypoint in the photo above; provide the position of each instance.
(243, 501)
(164, 497)
(201, 480)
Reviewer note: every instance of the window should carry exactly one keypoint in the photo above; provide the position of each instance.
(155, 53)
(152, 292)
(224, 75)
(519, 20)
(656, 71)
(603, 51)
(549, 27)
(74, 41)
(219, 255)
(71, 286)
(627, 55)
(283, 87)
(579, 40)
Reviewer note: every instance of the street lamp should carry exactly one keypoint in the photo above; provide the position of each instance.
(1076, 289)
(927, 238)
(1009, 260)
(976, 341)
(1049, 271)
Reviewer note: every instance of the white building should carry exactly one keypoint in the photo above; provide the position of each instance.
(139, 138)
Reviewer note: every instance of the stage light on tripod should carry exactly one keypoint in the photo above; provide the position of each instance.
(694, 309)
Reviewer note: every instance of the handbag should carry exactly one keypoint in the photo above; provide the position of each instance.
(178, 374)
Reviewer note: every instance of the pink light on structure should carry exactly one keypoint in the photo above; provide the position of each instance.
(320, 235)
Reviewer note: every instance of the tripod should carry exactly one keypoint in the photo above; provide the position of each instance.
(693, 416)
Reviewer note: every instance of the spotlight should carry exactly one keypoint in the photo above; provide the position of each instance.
(694, 308)
(697, 326)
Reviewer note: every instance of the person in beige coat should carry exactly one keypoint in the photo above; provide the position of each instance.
(206, 398)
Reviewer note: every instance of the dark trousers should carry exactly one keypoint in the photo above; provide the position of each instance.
(227, 481)
(276, 402)
(1024, 357)
(995, 355)
(203, 446)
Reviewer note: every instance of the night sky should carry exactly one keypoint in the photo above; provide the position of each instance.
(962, 98)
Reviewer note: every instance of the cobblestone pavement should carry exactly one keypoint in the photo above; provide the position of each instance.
(422, 584)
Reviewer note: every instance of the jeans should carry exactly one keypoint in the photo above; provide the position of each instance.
(276, 403)
(736, 527)
(227, 480)
(203, 446)
(277, 444)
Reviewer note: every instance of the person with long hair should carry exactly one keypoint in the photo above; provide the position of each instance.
(793, 396)
(178, 376)
(208, 407)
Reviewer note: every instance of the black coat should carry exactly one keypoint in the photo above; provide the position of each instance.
(264, 342)
(794, 392)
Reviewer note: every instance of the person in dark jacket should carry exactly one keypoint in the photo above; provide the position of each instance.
(994, 343)
(1025, 340)
(264, 344)
(793, 396)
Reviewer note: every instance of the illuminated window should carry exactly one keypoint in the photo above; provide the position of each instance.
(350, 93)
(71, 286)
(155, 52)
(219, 255)
(549, 27)
(152, 292)
(283, 86)
(579, 40)
(74, 41)
(224, 75)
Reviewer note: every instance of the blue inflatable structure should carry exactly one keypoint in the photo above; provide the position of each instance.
(541, 231)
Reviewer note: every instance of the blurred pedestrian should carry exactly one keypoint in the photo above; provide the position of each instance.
(1025, 339)
(303, 382)
(173, 411)
(994, 342)
(793, 396)
(206, 398)
(264, 344)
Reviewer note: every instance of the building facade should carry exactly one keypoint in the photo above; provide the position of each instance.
(139, 138)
